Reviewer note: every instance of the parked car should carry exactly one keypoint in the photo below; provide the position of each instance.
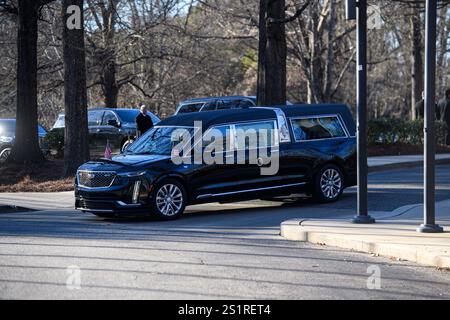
(217, 103)
(317, 155)
(8, 135)
(117, 126)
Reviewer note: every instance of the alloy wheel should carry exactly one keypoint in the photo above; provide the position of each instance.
(4, 155)
(169, 200)
(331, 184)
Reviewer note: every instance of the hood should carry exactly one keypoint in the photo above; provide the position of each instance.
(137, 160)
(123, 163)
(128, 125)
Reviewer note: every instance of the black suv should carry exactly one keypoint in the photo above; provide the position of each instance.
(161, 173)
(8, 135)
(117, 126)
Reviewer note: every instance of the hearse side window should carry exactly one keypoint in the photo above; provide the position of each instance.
(315, 128)
(243, 141)
(187, 108)
(225, 132)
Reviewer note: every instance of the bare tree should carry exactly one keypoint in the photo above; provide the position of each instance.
(26, 147)
(76, 151)
(271, 88)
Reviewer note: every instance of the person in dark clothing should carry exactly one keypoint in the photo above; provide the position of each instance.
(420, 109)
(143, 121)
(444, 108)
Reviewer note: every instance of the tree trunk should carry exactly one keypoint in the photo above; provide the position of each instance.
(110, 86)
(26, 146)
(417, 62)
(261, 85)
(330, 52)
(272, 53)
(276, 55)
(76, 149)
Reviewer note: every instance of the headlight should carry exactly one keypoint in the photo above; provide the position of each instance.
(132, 174)
(6, 139)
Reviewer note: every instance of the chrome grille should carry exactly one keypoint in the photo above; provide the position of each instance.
(96, 179)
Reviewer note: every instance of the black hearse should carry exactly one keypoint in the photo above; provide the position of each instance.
(314, 145)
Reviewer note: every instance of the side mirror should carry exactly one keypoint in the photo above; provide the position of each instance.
(113, 123)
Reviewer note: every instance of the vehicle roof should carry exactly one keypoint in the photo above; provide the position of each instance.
(106, 109)
(211, 118)
(194, 100)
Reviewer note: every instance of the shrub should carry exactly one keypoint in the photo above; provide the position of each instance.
(398, 131)
(55, 141)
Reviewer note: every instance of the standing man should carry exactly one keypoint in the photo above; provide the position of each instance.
(143, 121)
(420, 109)
(444, 108)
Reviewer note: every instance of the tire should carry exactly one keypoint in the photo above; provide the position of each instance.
(328, 184)
(169, 199)
(4, 155)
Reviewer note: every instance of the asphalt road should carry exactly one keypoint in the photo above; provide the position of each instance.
(214, 252)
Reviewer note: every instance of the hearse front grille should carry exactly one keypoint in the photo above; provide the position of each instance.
(96, 179)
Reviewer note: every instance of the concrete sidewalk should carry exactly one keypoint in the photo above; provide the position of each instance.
(393, 162)
(392, 236)
(39, 201)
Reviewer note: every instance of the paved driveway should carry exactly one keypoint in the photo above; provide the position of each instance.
(215, 251)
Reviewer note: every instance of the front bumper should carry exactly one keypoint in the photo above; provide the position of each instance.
(116, 201)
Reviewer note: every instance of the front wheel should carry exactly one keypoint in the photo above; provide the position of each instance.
(328, 184)
(4, 155)
(169, 199)
(127, 144)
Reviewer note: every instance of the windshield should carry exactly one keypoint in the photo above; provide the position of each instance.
(60, 122)
(157, 141)
(7, 126)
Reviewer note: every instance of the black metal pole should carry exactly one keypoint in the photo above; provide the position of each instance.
(361, 71)
(429, 225)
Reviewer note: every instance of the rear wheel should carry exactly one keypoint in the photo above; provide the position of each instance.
(169, 199)
(328, 184)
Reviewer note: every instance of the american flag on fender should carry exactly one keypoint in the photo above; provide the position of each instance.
(108, 152)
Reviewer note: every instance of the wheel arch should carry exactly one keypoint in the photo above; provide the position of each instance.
(178, 177)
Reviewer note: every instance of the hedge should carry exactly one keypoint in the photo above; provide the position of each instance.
(398, 131)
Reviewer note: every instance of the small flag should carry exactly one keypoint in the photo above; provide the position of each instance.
(108, 152)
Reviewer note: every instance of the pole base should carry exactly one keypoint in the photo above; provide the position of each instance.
(363, 220)
(430, 228)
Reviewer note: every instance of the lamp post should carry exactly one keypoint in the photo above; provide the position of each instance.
(358, 10)
(429, 225)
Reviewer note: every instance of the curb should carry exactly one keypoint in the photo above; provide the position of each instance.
(400, 251)
(401, 165)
